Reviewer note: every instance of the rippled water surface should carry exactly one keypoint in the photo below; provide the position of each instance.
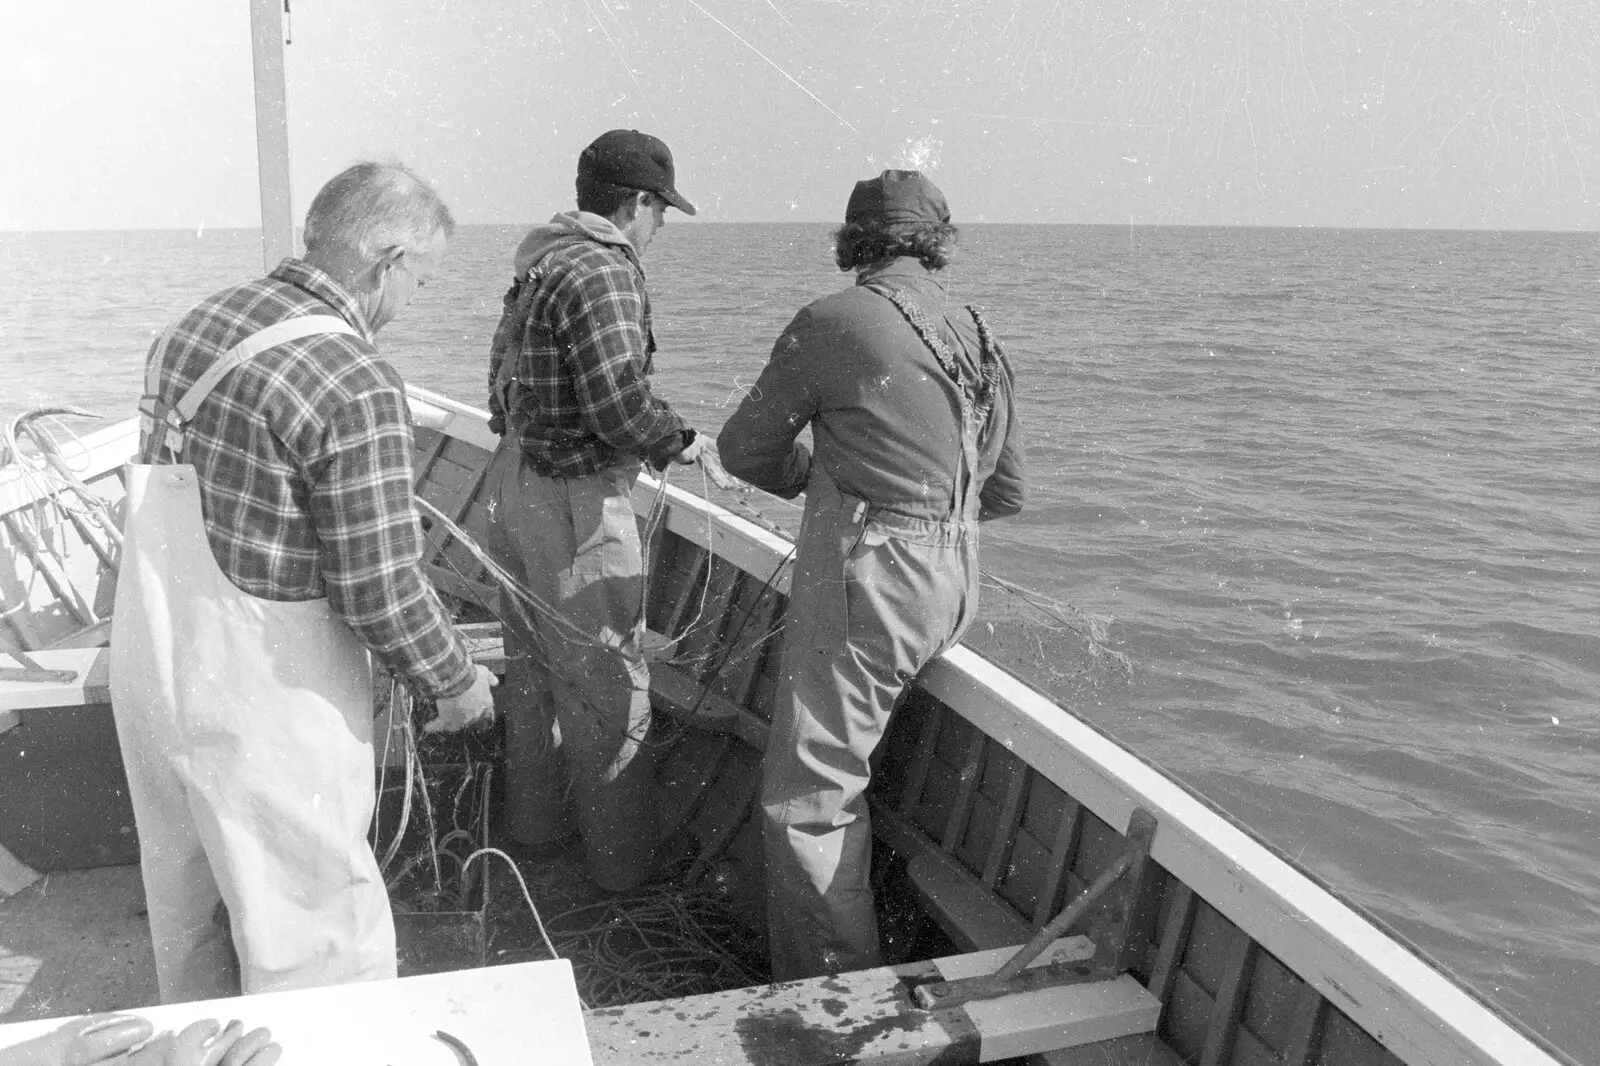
(1339, 491)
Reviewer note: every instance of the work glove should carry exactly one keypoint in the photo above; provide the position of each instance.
(81, 1042)
(108, 1038)
(703, 450)
(469, 708)
(209, 1043)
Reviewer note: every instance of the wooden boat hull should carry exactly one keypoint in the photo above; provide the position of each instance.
(992, 807)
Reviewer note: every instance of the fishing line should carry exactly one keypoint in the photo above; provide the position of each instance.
(775, 66)
(520, 599)
(692, 625)
(1090, 628)
(405, 802)
(616, 50)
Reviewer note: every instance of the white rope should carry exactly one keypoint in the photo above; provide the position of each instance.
(526, 895)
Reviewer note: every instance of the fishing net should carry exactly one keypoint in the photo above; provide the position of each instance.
(676, 936)
(1055, 645)
(688, 936)
(432, 808)
(1060, 648)
(665, 942)
(662, 940)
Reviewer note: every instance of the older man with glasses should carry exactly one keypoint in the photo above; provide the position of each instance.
(272, 548)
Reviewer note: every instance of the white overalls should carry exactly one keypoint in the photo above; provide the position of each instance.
(246, 730)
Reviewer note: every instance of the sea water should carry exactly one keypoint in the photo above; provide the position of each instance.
(1338, 490)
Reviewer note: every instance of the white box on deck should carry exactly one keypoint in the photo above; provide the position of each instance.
(527, 1013)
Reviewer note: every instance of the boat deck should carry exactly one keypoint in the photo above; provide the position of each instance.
(76, 942)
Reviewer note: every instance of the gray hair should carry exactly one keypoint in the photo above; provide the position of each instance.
(372, 207)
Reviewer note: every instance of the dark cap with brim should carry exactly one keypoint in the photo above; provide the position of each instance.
(896, 196)
(633, 160)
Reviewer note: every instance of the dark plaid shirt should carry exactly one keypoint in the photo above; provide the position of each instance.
(578, 331)
(304, 462)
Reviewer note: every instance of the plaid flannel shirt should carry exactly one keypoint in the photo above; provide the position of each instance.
(303, 456)
(577, 330)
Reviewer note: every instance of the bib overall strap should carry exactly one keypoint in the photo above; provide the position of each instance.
(977, 398)
(511, 338)
(507, 346)
(981, 400)
(170, 421)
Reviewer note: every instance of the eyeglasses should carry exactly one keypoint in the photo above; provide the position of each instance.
(400, 256)
(400, 261)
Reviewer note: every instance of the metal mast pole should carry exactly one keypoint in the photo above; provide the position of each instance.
(272, 130)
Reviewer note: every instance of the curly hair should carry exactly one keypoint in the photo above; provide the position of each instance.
(859, 244)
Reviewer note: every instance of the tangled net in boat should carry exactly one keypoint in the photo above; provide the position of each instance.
(675, 940)
(427, 822)
(665, 939)
(661, 942)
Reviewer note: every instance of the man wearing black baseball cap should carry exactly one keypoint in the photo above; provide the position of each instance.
(633, 160)
(569, 374)
(910, 403)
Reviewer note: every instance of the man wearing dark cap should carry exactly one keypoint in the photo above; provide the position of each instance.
(909, 399)
(569, 390)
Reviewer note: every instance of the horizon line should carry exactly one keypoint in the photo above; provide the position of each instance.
(199, 230)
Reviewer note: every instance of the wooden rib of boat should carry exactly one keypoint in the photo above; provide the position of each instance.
(992, 808)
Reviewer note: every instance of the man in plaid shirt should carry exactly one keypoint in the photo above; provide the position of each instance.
(272, 543)
(569, 383)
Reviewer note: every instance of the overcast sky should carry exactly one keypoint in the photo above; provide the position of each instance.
(1427, 113)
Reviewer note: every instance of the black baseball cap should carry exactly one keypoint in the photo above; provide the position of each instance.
(897, 196)
(633, 160)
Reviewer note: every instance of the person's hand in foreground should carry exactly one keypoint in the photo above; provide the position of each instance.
(129, 1041)
(209, 1043)
(468, 708)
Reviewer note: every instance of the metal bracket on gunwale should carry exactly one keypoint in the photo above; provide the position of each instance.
(1126, 874)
